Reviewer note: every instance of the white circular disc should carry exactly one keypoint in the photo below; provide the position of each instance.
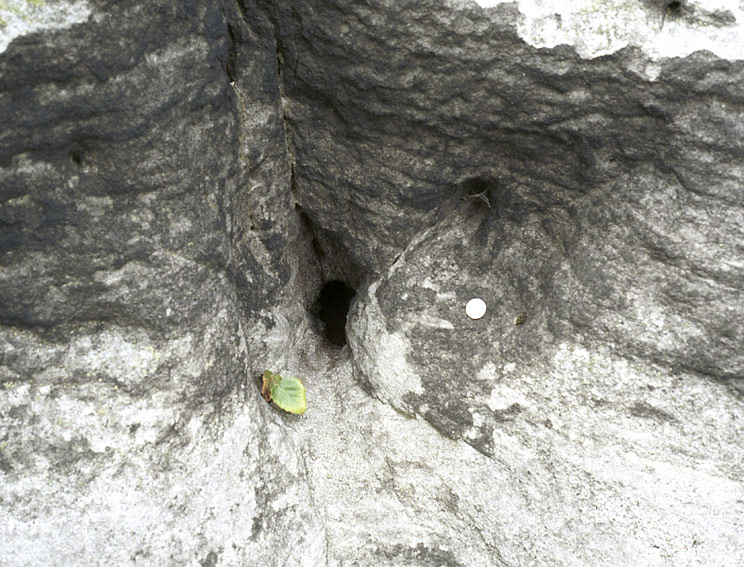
(476, 308)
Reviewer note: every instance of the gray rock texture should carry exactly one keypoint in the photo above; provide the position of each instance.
(178, 181)
(145, 213)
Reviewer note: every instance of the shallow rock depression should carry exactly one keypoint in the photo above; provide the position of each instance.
(194, 192)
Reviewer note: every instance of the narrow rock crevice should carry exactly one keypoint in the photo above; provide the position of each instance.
(333, 308)
(329, 278)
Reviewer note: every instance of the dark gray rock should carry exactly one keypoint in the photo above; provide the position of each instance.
(596, 210)
(614, 183)
(144, 220)
(177, 182)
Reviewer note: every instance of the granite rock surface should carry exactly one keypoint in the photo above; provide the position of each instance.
(177, 183)
(144, 218)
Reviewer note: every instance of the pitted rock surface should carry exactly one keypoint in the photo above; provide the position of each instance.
(177, 184)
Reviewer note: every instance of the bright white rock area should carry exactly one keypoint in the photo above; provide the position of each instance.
(23, 17)
(600, 27)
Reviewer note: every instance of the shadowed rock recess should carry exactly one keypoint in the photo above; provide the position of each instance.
(193, 192)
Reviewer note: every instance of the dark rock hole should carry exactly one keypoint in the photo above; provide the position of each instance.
(673, 10)
(76, 157)
(479, 190)
(673, 7)
(333, 307)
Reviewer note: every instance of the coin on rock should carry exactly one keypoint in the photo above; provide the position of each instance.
(476, 308)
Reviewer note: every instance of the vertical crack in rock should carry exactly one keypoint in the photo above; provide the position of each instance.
(329, 280)
(283, 103)
(326, 259)
(177, 200)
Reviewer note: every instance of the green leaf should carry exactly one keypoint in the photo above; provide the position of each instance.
(289, 394)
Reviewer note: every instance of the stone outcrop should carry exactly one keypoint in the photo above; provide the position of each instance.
(145, 215)
(179, 181)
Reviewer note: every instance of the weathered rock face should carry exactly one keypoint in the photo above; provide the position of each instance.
(145, 213)
(595, 208)
(595, 199)
(177, 182)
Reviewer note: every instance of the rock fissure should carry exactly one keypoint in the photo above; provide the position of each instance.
(192, 193)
